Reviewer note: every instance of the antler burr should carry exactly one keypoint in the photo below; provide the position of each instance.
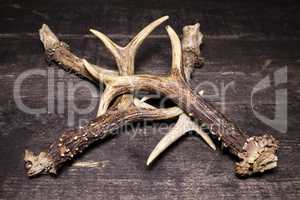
(257, 153)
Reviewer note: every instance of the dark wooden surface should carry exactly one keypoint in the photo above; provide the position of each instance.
(244, 42)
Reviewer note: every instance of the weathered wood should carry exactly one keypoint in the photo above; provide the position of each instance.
(257, 154)
(240, 37)
(71, 143)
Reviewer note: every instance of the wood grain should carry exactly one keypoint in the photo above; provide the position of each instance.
(239, 37)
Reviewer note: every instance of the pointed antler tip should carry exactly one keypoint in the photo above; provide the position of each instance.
(92, 30)
(44, 25)
(95, 32)
(213, 146)
(168, 27)
(165, 17)
(172, 34)
(149, 161)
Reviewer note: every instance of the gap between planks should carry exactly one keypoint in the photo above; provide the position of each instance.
(244, 36)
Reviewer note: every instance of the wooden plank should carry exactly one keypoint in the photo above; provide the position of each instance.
(182, 172)
(234, 72)
(121, 17)
(244, 42)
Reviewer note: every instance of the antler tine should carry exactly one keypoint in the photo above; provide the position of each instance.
(106, 78)
(109, 92)
(125, 55)
(136, 42)
(105, 100)
(176, 70)
(191, 41)
(182, 126)
(110, 45)
(257, 153)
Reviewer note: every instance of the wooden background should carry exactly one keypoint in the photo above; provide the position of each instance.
(243, 43)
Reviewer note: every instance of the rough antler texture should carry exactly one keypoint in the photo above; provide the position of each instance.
(257, 153)
(75, 141)
(191, 57)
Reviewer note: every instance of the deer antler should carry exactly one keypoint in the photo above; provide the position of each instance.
(124, 57)
(257, 153)
(59, 52)
(191, 57)
(174, 86)
(192, 39)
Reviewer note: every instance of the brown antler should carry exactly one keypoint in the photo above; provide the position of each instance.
(257, 153)
(191, 57)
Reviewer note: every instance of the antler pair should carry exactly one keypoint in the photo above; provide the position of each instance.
(125, 61)
(257, 153)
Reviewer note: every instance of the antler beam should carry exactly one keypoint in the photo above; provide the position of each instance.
(191, 57)
(257, 154)
(191, 42)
